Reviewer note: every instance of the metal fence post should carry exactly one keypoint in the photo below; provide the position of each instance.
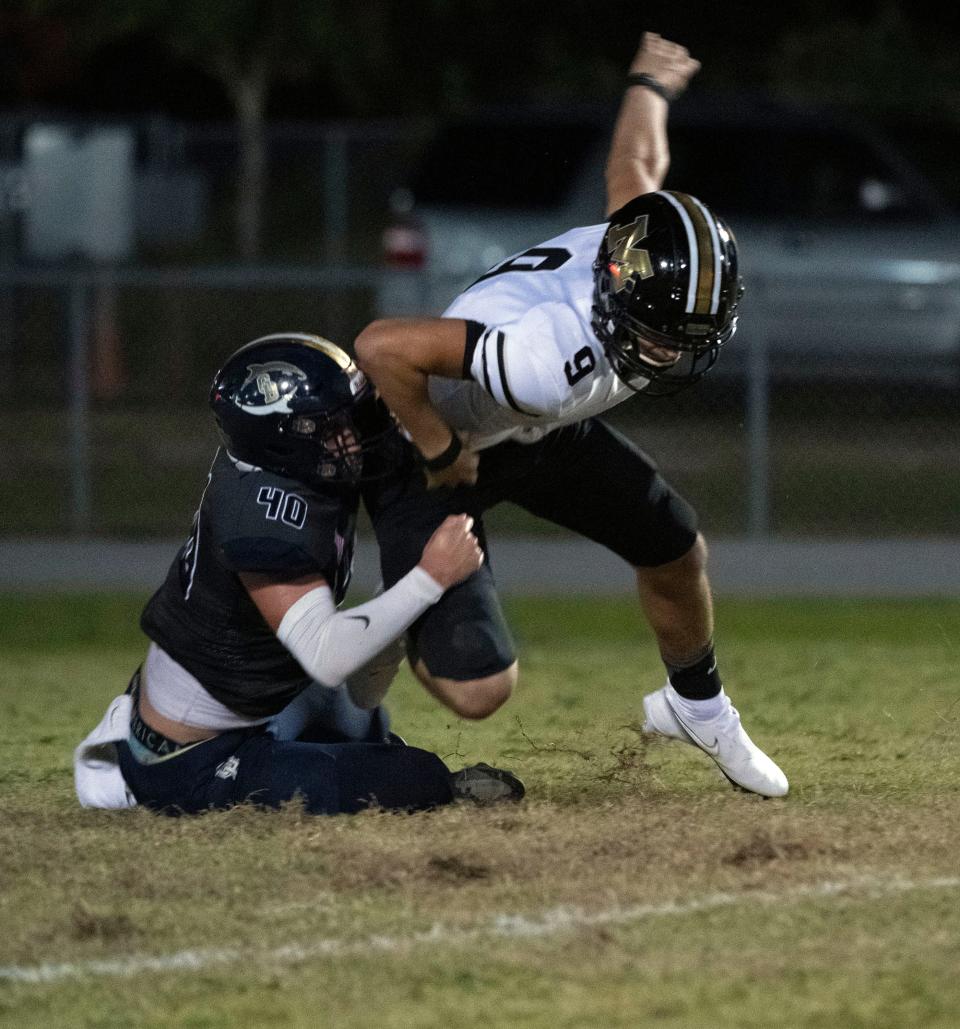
(78, 331)
(758, 421)
(336, 202)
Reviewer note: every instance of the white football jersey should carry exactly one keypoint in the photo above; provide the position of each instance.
(533, 360)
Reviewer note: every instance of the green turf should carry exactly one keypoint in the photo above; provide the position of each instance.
(857, 700)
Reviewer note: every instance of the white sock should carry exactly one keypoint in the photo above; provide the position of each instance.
(698, 710)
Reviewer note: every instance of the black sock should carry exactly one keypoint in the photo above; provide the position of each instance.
(699, 681)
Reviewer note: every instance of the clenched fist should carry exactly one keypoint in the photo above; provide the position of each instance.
(669, 63)
(452, 553)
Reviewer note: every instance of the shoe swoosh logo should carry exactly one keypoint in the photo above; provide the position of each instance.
(713, 749)
(359, 618)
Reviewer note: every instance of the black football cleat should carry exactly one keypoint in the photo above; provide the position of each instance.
(484, 784)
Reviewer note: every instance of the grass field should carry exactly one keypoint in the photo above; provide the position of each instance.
(631, 888)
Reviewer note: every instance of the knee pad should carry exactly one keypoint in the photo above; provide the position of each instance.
(464, 635)
(471, 649)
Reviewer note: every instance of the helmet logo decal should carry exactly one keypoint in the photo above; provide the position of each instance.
(277, 384)
(268, 388)
(628, 260)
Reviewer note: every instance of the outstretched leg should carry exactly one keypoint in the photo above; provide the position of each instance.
(692, 707)
(591, 479)
(676, 600)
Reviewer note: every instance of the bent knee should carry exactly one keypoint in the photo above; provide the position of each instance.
(695, 559)
(691, 564)
(480, 698)
(475, 698)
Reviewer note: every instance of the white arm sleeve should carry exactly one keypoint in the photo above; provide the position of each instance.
(331, 645)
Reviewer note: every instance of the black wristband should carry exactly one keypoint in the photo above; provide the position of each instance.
(640, 79)
(445, 459)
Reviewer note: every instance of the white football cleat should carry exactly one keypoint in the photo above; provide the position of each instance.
(723, 738)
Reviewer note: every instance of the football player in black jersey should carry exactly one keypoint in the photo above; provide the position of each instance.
(500, 397)
(255, 686)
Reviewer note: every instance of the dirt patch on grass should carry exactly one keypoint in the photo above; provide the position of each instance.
(634, 850)
(762, 848)
(455, 869)
(379, 872)
(88, 923)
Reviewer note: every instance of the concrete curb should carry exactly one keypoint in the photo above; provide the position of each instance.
(546, 565)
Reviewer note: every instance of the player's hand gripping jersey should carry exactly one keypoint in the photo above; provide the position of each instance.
(532, 357)
(249, 520)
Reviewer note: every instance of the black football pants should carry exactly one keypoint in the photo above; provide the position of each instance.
(586, 477)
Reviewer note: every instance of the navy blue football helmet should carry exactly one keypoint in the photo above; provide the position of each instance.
(296, 404)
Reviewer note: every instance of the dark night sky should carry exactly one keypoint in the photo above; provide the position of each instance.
(499, 50)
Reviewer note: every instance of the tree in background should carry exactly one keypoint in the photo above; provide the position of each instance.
(246, 46)
(381, 57)
(434, 57)
(882, 62)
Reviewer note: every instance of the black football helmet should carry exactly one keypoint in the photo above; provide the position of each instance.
(297, 405)
(666, 291)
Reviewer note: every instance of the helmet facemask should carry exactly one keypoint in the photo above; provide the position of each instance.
(666, 291)
(648, 360)
(351, 445)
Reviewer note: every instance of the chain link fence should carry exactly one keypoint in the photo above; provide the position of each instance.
(106, 432)
(105, 368)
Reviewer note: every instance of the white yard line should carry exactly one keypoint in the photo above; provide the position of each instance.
(502, 926)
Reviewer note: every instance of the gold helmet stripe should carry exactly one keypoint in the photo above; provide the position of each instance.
(691, 247)
(317, 342)
(706, 249)
(717, 255)
(703, 266)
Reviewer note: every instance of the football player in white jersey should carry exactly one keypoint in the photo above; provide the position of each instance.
(500, 398)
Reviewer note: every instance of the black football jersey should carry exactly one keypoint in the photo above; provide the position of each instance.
(249, 520)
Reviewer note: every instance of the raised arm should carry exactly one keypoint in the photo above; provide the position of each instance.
(639, 152)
